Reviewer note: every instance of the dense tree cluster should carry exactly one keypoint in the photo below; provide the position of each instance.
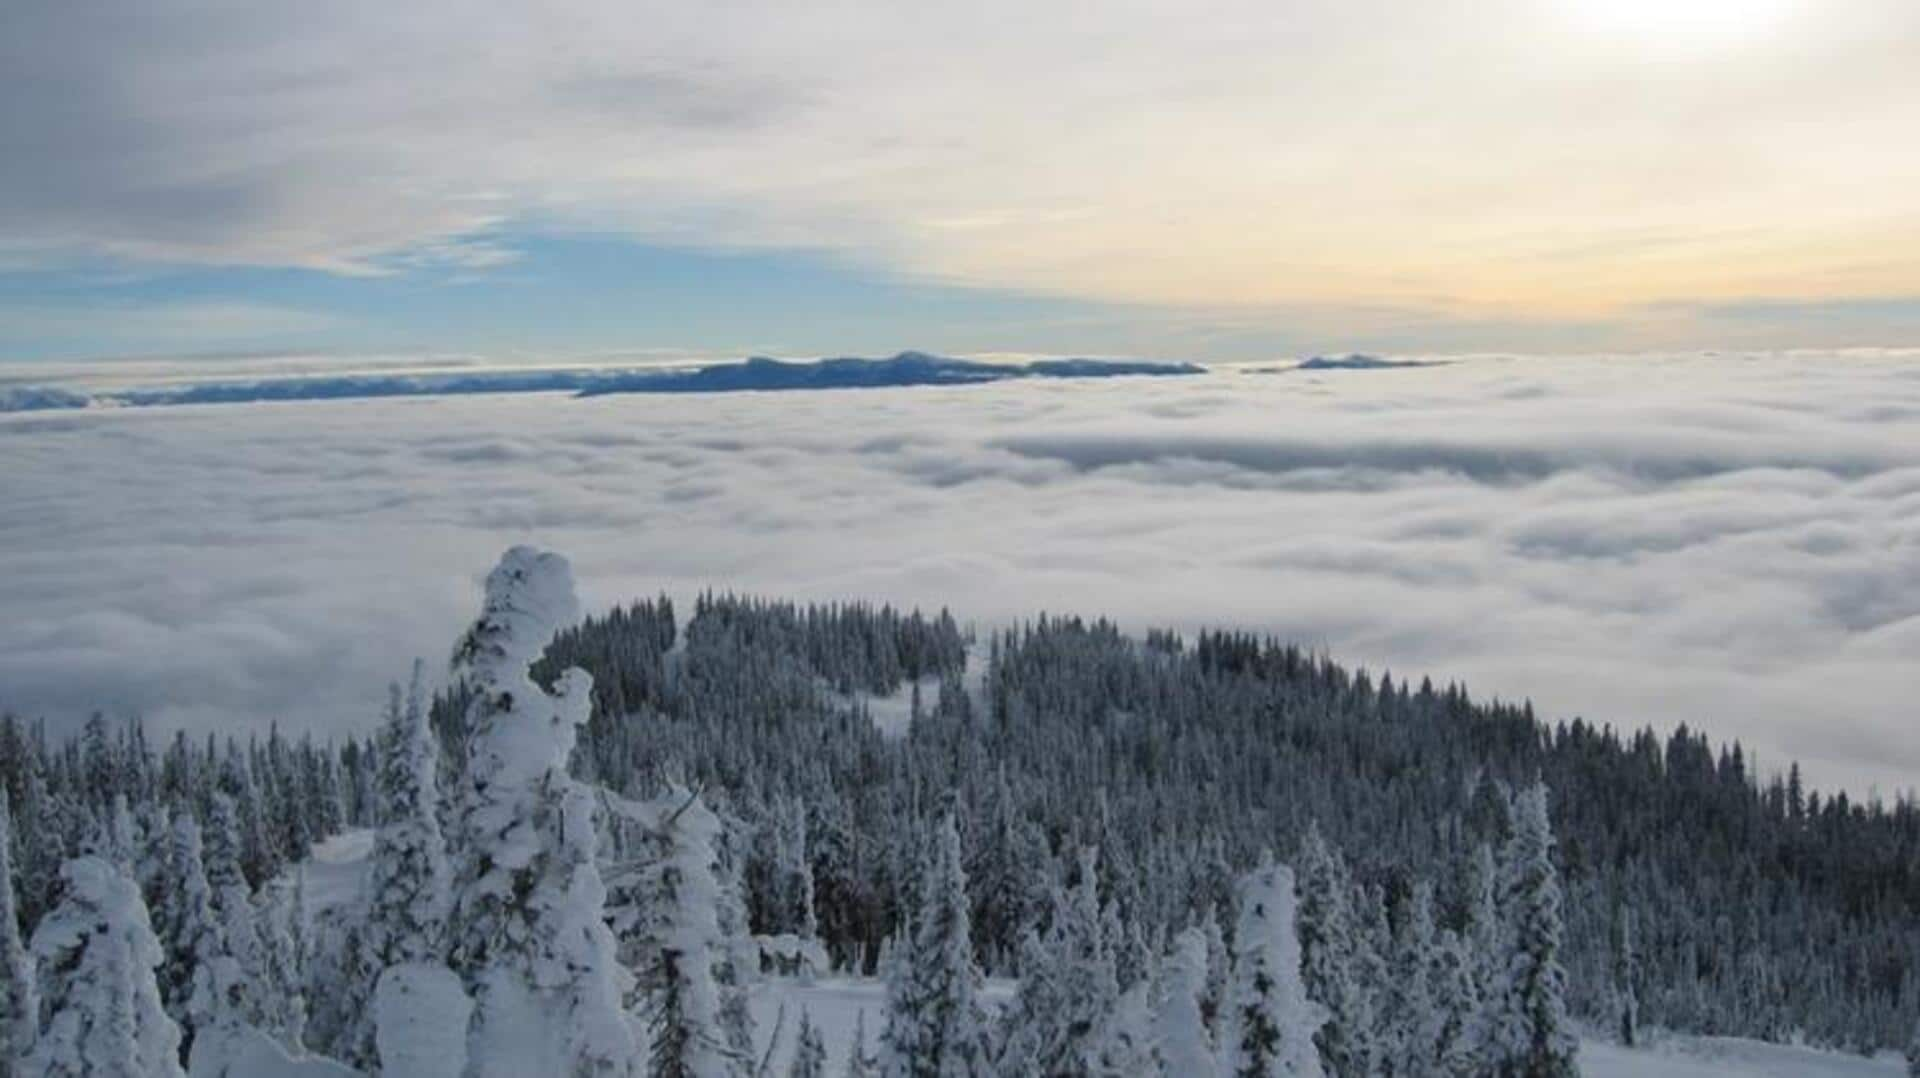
(1698, 894)
(603, 830)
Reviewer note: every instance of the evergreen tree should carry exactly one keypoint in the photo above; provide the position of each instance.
(1534, 1037)
(1626, 974)
(796, 873)
(809, 1051)
(527, 928)
(186, 924)
(859, 1063)
(1330, 946)
(1213, 1001)
(1061, 1021)
(1416, 1020)
(100, 1006)
(1182, 1043)
(934, 1021)
(407, 880)
(678, 943)
(283, 1001)
(1458, 1051)
(252, 989)
(19, 998)
(122, 837)
(1271, 1022)
(407, 876)
(42, 838)
(737, 960)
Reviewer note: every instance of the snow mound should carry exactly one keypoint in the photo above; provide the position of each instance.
(423, 1021)
(337, 871)
(892, 714)
(1727, 1057)
(245, 1052)
(835, 1005)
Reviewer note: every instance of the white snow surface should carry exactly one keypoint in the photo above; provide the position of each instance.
(835, 1003)
(1726, 1057)
(892, 714)
(422, 1031)
(337, 871)
(245, 1052)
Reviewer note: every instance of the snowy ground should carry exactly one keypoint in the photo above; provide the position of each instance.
(1725, 1057)
(835, 1004)
(337, 870)
(892, 714)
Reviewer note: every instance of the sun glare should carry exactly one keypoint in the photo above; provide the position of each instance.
(1682, 20)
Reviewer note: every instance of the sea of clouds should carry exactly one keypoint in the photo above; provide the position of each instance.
(1731, 542)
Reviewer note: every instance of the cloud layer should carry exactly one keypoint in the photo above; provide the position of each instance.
(1318, 158)
(1732, 542)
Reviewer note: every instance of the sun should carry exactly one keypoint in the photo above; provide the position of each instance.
(1682, 20)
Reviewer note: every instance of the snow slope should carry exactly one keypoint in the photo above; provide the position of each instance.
(337, 871)
(835, 1004)
(1724, 1057)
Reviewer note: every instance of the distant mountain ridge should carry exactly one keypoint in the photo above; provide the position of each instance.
(757, 373)
(849, 372)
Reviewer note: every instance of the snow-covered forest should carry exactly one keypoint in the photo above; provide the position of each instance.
(1062, 850)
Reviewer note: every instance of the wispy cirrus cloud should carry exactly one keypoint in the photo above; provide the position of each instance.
(1525, 170)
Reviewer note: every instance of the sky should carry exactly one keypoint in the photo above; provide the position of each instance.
(1731, 541)
(1231, 179)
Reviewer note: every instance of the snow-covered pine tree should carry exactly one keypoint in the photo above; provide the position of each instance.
(1626, 973)
(795, 887)
(1457, 994)
(42, 841)
(284, 1003)
(1271, 1020)
(1484, 935)
(100, 1007)
(153, 848)
(809, 1051)
(1061, 1019)
(1182, 1043)
(1330, 945)
(935, 1025)
(123, 837)
(1213, 1001)
(407, 877)
(1127, 1047)
(19, 999)
(859, 1063)
(264, 996)
(527, 930)
(736, 962)
(679, 943)
(1414, 1017)
(1534, 1037)
(186, 925)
